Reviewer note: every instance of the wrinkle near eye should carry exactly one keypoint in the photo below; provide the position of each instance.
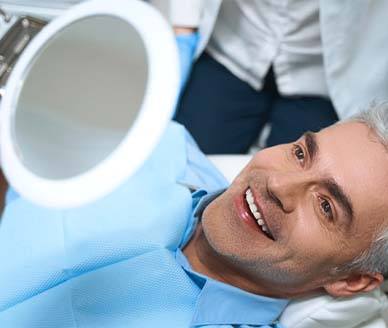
(336, 225)
(324, 222)
(294, 156)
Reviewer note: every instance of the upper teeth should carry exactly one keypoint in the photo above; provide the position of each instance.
(252, 206)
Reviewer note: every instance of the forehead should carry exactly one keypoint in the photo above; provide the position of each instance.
(354, 157)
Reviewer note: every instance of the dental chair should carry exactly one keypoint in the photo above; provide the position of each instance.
(363, 311)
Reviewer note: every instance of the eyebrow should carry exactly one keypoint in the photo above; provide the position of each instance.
(311, 145)
(342, 199)
(329, 184)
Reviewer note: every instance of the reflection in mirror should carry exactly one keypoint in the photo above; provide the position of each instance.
(80, 97)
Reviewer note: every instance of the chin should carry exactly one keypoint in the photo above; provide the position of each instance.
(218, 228)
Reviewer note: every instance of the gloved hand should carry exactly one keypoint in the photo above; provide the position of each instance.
(11, 195)
(187, 44)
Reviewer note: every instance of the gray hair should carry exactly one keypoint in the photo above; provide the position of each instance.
(374, 259)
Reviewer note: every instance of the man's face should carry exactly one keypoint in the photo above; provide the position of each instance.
(322, 199)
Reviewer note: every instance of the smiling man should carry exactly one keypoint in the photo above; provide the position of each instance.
(300, 218)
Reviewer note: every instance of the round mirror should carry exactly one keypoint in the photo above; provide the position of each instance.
(82, 93)
(88, 101)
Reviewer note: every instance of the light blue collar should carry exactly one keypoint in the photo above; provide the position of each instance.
(201, 198)
(223, 304)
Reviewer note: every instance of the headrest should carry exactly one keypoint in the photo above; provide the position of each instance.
(363, 310)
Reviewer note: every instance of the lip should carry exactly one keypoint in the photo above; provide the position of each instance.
(246, 216)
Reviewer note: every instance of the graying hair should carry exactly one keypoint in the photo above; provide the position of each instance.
(374, 259)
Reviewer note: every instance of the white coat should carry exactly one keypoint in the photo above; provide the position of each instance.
(354, 39)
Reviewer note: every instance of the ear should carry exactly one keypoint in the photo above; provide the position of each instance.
(354, 284)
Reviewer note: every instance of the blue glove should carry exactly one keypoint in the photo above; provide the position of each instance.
(187, 44)
(11, 195)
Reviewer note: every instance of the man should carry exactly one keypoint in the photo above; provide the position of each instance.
(297, 214)
(300, 218)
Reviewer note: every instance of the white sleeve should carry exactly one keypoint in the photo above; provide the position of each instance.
(186, 13)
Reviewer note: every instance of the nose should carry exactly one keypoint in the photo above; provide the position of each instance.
(286, 189)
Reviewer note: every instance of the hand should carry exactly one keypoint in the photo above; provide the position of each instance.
(179, 30)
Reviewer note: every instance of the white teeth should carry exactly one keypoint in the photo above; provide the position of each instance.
(257, 216)
(252, 206)
(250, 198)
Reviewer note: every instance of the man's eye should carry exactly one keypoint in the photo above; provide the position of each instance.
(326, 208)
(299, 153)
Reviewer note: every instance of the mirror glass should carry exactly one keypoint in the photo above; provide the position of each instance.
(80, 97)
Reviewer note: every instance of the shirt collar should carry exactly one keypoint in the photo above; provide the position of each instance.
(223, 304)
(201, 199)
(205, 200)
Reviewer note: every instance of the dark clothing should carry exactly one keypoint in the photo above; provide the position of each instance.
(225, 115)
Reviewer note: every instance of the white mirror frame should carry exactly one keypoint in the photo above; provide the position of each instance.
(156, 110)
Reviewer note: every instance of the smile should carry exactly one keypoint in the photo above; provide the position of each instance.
(256, 213)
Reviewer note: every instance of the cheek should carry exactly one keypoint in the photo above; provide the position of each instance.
(214, 218)
(312, 243)
(221, 227)
(263, 161)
